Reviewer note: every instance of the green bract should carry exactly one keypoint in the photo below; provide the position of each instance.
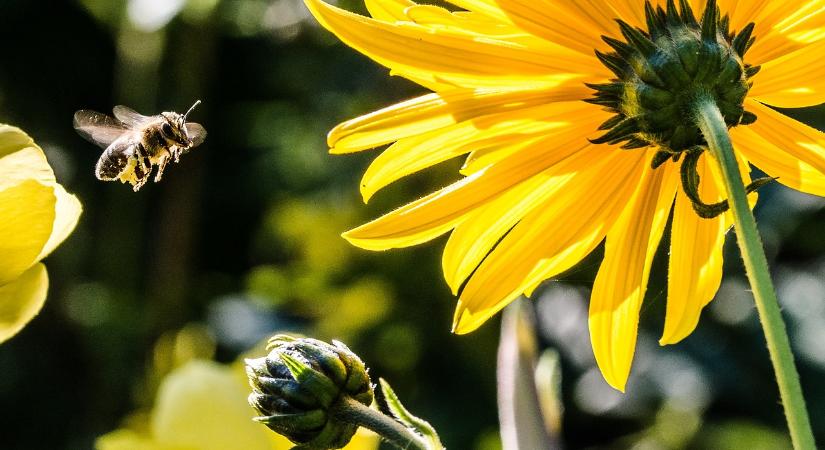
(660, 74)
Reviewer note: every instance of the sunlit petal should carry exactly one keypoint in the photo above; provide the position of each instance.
(21, 300)
(778, 162)
(461, 57)
(695, 264)
(783, 27)
(28, 212)
(412, 154)
(439, 110)
(621, 283)
(794, 80)
(67, 213)
(798, 140)
(546, 242)
(439, 212)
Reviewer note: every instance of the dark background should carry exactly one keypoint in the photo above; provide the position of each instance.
(241, 239)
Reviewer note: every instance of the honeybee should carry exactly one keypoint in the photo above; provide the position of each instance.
(134, 144)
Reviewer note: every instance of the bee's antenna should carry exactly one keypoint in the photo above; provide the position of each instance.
(190, 110)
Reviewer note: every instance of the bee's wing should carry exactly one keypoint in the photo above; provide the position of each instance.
(129, 116)
(196, 133)
(98, 128)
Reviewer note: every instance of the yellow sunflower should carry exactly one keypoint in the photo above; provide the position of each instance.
(572, 118)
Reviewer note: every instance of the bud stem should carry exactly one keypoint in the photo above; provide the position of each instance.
(710, 121)
(349, 410)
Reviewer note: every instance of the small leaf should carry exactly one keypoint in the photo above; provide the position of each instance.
(390, 404)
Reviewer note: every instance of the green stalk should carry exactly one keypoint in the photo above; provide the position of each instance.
(713, 127)
(352, 411)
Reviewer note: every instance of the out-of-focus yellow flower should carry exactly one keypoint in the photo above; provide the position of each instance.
(203, 406)
(36, 215)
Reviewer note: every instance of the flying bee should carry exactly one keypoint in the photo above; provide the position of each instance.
(134, 144)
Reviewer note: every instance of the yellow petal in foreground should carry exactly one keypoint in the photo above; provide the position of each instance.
(794, 80)
(798, 140)
(21, 300)
(412, 154)
(437, 111)
(777, 162)
(695, 265)
(388, 10)
(439, 212)
(552, 21)
(782, 27)
(543, 240)
(417, 49)
(28, 212)
(622, 279)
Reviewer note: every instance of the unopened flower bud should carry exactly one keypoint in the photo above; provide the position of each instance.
(299, 381)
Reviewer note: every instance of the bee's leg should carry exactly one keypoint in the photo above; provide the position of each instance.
(143, 168)
(140, 176)
(161, 165)
(140, 182)
(176, 152)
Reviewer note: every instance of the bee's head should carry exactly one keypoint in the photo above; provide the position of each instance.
(174, 127)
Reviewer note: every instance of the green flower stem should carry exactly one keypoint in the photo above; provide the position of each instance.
(713, 127)
(352, 411)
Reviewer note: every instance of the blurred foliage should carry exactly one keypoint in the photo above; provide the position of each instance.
(241, 239)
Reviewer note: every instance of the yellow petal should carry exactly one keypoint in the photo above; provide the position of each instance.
(798, 140)
(440, 211)
(388, 10)
(621, 283)
(27, 212)
(24, 163)
(489, 8)
(203, 405)
(482, 26)
(559, 223)
(21, 300)
(556, 22)
(782, 27)
(695, 266)
(412, 154)
(415, 48)
(126, 439)
(13, 139)
(633, 12)
(599, 16)
(483, 157)
(794, 80)
(435, 111)
(67, 213)
(777, 162)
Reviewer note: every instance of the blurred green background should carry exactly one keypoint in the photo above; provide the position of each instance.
(241, 240)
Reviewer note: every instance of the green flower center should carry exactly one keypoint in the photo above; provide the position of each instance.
(661, 72)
